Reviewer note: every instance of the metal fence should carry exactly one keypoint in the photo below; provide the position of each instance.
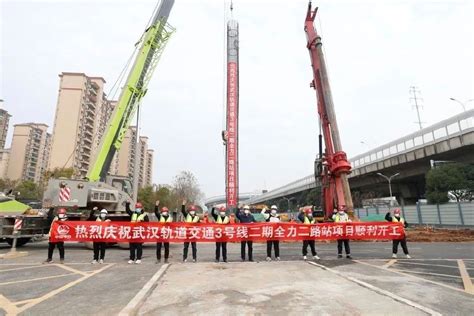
(450, 214)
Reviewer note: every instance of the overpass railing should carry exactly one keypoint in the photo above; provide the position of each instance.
(455, 126)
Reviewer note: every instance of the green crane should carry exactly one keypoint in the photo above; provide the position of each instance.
(153, 42)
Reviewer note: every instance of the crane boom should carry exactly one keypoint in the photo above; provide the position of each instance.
(334, 166)
(153, 42)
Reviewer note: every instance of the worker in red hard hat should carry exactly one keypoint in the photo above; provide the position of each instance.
(221, 219)
(396, 218)
(340, 216)
(191, 217)
(307, 217)
(163, 217)
(136, 216)
(61, 216)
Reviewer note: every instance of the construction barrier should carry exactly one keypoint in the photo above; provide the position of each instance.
(185, 232)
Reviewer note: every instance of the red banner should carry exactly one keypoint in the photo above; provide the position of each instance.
(232, 168)
(180, 232)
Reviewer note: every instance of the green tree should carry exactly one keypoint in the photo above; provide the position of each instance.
(314, 197)
(453, 179)
(7, 185)
(186, 187)
(28, 190)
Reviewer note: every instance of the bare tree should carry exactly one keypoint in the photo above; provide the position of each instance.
(186, 187)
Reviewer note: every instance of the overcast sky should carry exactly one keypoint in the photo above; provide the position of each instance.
(375, 51)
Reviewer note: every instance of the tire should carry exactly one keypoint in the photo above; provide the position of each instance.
(20, 241)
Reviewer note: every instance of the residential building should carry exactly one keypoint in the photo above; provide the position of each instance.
(80, 121)
(29, 153)
(4, 158)
(124, 160)
(148, 178)
(4, 120)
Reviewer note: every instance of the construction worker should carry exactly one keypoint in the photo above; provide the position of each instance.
(137, 216)
(272, 217)
(245, 218)
(99, 246)
(396, 218)
(221, 219)
(61, 216)
(189, 217)
(308, 218)
(163, 217)
(342, 217)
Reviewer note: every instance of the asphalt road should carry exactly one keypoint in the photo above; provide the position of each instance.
(433, 277)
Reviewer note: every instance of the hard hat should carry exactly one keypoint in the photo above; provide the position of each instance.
(62, 211)
(396, 211)
(222, 208)
(164, 209)
(103, 211)
(274, 207)
(138, 205)
(192, 208)
(246, 207)
(308, 211)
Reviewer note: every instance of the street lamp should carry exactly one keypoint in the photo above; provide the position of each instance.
(389, 179)
(288, 201)
(463, 104)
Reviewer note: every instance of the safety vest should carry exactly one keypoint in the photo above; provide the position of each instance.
(137, 218)
(395, 220)
(309, 221)
(341, 218)
(222, 221)
(191, 219)
(166, 220)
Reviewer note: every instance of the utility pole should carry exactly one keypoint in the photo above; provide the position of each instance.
(414, 92)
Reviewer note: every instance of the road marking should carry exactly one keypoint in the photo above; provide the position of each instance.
(43, 298)
(65, 267)
(411, 275)
(17, 303)
(132, 306)
(466, 279)
(379, 290)
(8, 306)
(37, 279)
(24, 268)
(428, 273)
(389, 263)
(431, 265)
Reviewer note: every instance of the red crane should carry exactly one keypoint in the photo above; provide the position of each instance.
(333, 167)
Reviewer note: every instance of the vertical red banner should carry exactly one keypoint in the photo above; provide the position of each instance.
(232, 181)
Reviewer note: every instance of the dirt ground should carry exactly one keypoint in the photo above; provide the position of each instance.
(431, 234)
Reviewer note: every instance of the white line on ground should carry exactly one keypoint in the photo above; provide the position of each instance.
(380, 291)
(427, 273)
(132, 306)
(466, 279)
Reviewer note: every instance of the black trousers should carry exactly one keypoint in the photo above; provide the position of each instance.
(185, 250)
(346, 246)
(311, 244)
(158, 250)
(403, 242)
(249, 243)
(136, 250)
(276, 247)
(99, 247)
(222, 245)
(52, 245)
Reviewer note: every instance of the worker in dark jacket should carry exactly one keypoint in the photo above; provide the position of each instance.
(308, 217)
(137, 216)
(272, 217)
(189, 216)
(396, 218)
(99, 246)
(221, 219)
(163, 217)
(62, 216)
(245, 218)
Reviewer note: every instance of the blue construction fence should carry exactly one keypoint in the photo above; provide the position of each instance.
(449, 214)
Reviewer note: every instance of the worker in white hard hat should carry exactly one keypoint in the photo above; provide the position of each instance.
(272, 217)
(245, 217)
(99, 246)
(340, 216)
